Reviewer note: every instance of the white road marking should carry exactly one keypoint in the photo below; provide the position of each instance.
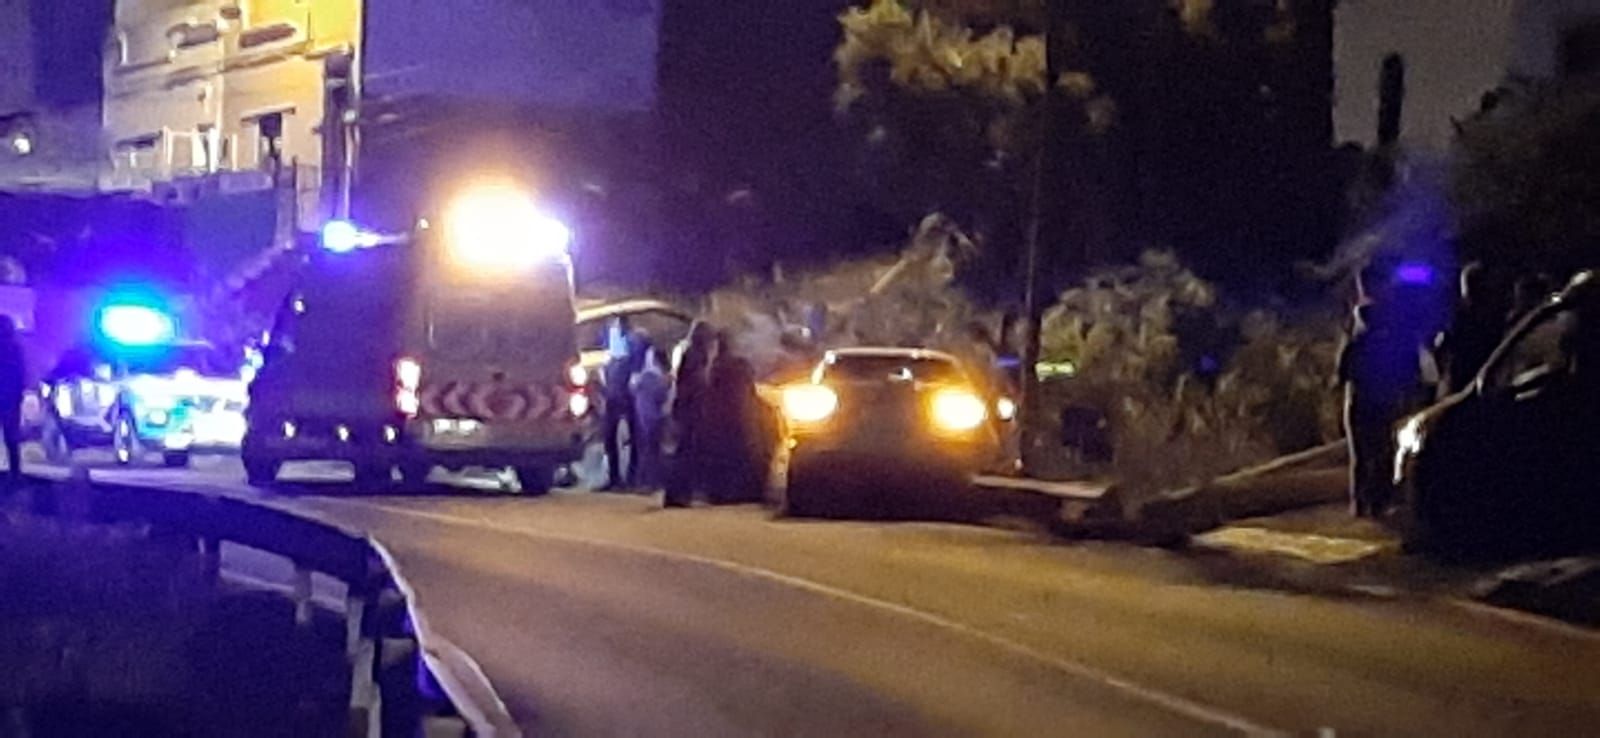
(1171, 702)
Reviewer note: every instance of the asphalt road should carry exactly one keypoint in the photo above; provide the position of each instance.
(602, 615)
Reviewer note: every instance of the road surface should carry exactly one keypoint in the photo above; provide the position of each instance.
(602, 615)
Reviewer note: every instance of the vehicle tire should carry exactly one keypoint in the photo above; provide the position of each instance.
(535, 481)
(370, 475)
(414, 474)
(175, 459)
(802, 497)
(57, 449)
(125, 445)
(261, 472)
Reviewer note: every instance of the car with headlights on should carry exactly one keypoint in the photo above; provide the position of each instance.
(1509, 463)
(176, 399)
(871, 422)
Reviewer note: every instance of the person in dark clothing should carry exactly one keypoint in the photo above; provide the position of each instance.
(728, 431)
(1476, 329)
(627, 357)
(1381, 370)
(12, 381)
(691, 377)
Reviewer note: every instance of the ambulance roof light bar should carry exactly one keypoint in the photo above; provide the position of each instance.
(493, 228)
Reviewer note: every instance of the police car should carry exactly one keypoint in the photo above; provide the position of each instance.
(144, 396)
(879, 415)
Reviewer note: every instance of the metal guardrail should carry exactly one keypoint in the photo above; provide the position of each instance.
(406, 679)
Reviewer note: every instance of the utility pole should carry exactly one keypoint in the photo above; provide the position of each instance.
(1043, 220)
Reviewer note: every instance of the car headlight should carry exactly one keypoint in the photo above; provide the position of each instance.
(809, 403)
(958, 410)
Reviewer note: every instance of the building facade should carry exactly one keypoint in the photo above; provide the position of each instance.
(231, 96)
(1445, 55)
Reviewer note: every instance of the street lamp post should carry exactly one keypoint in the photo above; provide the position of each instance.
(1045, 189)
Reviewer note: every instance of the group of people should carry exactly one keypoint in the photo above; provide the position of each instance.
(703, 398)
(1398, 360)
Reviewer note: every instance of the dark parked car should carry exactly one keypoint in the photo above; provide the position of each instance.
(1512, 463)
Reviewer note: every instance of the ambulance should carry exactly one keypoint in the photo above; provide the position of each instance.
(451, 346)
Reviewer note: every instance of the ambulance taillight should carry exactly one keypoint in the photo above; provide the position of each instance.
(578, 402)
(407, 381)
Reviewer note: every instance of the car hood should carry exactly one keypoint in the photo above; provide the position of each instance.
(217, 388)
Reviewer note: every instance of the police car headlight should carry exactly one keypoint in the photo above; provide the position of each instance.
(957, 410)
(809, 403)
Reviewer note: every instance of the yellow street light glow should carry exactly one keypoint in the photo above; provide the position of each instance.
(498, 227)
(809, 403)
(958, 410)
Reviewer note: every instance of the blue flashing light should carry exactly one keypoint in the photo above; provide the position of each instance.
(1415, 273)
(342, 237)
(137, 325)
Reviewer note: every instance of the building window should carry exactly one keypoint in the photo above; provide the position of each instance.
(269, 132)
(267, 34)
(1580, 49)
(138, 154)
(190, 35)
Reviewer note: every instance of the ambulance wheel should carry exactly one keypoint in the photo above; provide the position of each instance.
(535, 481)
(414, 474)
(125, 444)
(374, 475)
(175, 459)
(261, 472)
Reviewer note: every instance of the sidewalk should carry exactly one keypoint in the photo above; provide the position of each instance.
(1327, 549)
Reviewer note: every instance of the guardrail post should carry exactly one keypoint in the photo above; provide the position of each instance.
(366, 704)
(72, 502)
(210, 550)
(302, 596)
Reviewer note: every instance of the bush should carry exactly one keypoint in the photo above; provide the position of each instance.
(1190, 387)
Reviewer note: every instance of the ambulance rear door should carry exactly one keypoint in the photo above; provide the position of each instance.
(498, 354)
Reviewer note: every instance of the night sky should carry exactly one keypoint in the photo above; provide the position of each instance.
(68, 35)
(586, 54)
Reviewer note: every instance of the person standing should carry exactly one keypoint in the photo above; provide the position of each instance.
(626, 351)
(728, 431)
(650, 387)
(691, 376)
(1381, 370)
(12, 381)
(1478, 325)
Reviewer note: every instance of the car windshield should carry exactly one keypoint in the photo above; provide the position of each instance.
(849, 368)
(1541, 348)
